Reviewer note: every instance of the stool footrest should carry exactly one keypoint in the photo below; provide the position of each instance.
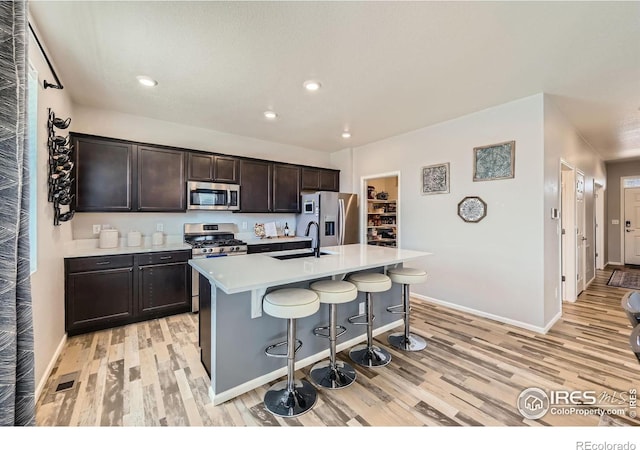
(269, 350)
(392, 309)
(319, 331)
(352, 319)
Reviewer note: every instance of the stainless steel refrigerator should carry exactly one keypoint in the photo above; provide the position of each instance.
(335, 212)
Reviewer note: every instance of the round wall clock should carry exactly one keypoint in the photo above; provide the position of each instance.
(472, 209)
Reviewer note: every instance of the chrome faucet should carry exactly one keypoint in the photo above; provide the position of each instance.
(316, 249)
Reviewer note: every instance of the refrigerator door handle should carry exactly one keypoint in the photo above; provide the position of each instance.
(341, 222)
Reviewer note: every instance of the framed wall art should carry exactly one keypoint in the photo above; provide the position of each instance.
(494, 162)
(435, 179)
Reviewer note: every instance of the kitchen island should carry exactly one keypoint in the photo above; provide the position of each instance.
(234, 332)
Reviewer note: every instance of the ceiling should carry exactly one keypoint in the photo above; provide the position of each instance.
(385, 67)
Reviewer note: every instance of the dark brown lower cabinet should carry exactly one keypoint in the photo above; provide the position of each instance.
(162, 285)
(110, 291)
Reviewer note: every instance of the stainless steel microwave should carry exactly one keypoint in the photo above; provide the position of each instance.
(213, 196)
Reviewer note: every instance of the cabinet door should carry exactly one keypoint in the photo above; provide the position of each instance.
(161, 179)
(98, 300)
(164, 289)
(329, 180)
(255, 186)
(286, 188)
(226, 169)
(200, 167)
(310, 179)
(104, 174)
(263, 248)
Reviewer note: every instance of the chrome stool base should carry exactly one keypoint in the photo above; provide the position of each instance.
(370, 356)
(338, 377)
(280, 401)
(414, 343)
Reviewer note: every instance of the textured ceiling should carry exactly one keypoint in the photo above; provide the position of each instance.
(386, 67)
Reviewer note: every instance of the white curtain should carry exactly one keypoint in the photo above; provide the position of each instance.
(17, 384)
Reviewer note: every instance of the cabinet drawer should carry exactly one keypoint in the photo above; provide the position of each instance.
(296, 245)
(92, 263)
(262, 248)
(163, 257)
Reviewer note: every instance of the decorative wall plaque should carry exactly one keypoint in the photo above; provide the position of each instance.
(472, 209)
(494, 162)
(435, 179)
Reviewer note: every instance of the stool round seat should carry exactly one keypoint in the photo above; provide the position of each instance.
(371, 282)
(291, 303)
(334, 292)
(631, 301)
(407, 275)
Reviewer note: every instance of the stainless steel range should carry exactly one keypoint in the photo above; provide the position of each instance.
(210, 240)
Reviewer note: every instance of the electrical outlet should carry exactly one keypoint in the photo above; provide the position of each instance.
(96, 229)
(361, 308)
(159, 227)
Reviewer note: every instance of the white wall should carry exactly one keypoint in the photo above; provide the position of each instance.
(152, 131)
(561, 141)
(494, 267)
(343, 160)
(47, 283)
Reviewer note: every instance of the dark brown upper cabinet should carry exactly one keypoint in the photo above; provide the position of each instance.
(256, 186)
(286, 188)
(115, 176)
(216, 168)
(161, 179)
(320, 179)
(103, 173)
(269, 187)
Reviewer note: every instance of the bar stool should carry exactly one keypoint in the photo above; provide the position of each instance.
(631, 304)
(634, 341)
(406, 340)
(290, 398)
(333, 374)
(369, 355)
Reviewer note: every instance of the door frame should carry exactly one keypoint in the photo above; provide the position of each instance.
(598, 225)
(568, 258)
(582, 270)
(364, 205)
(622, 212)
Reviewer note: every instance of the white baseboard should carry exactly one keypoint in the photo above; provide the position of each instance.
(475, 312)
(52, 363)
(614, 263)
(221, 397)
(590, 281)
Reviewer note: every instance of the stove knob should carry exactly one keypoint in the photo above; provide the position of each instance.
(220, 250)
(207, 250)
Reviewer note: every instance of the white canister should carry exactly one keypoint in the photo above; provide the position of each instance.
(134, 239)
(157, 238)
(108, 238)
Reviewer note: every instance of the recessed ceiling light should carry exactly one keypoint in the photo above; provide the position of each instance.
(146, 81)
(346, 134)
(270, 115)
(311, 85)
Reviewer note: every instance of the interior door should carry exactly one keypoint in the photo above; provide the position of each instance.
(580, 233)
(632, 226)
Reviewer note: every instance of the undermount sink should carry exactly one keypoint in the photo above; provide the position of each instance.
(298, 255)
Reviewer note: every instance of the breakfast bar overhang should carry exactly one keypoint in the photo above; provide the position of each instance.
(233, 332)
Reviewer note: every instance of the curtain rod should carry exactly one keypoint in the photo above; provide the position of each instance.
(46, 83)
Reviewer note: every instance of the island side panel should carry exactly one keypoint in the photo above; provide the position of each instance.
(204, 323)
(239, 341)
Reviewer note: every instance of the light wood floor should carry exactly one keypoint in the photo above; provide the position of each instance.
(473, 370)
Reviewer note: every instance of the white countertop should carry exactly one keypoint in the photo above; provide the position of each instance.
(89, 247)
(259, 270)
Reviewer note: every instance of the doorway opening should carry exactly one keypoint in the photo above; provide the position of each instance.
(381, 209)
